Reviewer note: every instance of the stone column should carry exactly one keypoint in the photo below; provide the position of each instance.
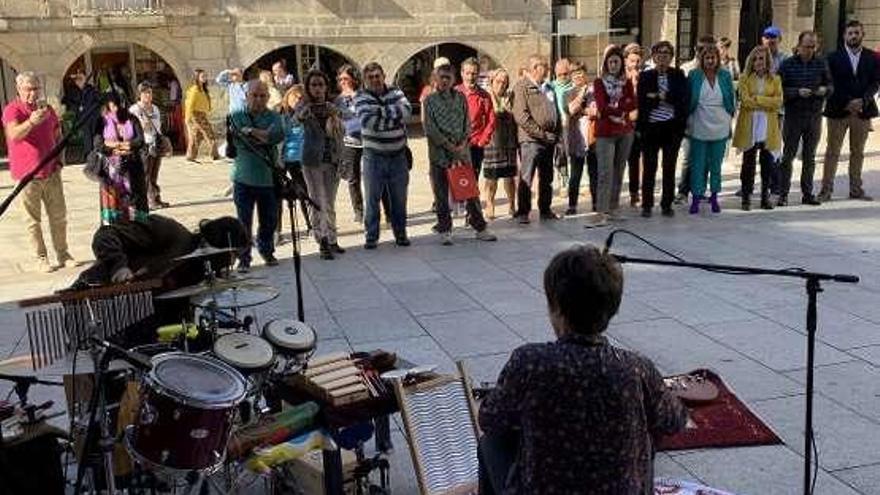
(726, 20)
(669, 25)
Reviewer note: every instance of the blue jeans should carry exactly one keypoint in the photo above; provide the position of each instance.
(245, 197)
(383, 171)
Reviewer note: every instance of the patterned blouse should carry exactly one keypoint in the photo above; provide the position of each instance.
(587, 414)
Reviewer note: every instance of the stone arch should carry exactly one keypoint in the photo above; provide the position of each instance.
(146, 39)
(401, 54)
(12, 57)
(254, 49)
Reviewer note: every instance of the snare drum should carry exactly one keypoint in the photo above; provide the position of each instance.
(186, 412)
(249, 354)
(293, 339)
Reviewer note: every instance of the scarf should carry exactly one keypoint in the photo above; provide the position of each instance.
(613, 88)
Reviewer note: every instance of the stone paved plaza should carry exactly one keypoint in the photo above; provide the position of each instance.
(478, 301)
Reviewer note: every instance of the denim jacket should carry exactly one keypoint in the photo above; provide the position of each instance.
(321, 143)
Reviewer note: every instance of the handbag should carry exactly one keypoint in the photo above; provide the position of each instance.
(462, 181)
(97, 167)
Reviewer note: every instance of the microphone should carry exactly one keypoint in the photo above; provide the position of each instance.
(135, 359)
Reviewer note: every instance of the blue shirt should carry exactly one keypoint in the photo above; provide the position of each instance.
(291, 150)
(237, 92)
(350, 120)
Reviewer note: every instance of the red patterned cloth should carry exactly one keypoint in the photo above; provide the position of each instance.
(723, 422)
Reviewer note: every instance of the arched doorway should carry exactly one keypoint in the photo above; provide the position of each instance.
(7, 94)
(299, 59)
(415, 74)
(121, 67)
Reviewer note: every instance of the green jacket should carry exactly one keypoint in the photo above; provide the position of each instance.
(250, 168)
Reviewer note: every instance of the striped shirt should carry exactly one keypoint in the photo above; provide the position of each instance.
(664, 111)
(383, 119)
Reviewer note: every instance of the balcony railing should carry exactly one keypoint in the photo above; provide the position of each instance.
(116, 7)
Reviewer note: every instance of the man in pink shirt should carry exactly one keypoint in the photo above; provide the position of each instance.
(32, 129)
(481, 111)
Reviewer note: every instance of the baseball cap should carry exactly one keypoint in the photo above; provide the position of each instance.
(441, 61)
(772, 32)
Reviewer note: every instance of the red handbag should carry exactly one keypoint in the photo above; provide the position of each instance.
(462, 181)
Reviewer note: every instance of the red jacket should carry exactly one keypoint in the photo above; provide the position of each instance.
(627, 103)
(481, 114)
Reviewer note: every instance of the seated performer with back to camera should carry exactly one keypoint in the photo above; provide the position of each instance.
(577, 415)
(147, 250)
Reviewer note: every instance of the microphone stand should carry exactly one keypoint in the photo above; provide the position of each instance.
(53, 153)
(290, 192)
(813, 287)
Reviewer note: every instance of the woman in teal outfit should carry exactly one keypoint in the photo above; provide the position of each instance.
(712, 105)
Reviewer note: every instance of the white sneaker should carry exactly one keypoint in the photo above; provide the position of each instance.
(485, 235)
(446, 238)
(42, 265)
(67, 261)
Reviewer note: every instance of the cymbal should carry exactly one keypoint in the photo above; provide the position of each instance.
(205, 251)
(201, 288)
(240, 296)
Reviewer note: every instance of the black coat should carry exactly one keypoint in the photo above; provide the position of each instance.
(848, 86)
(677, 96)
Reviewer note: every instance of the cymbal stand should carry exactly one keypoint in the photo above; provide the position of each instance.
(97, 407)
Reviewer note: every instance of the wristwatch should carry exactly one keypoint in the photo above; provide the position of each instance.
(247, 130)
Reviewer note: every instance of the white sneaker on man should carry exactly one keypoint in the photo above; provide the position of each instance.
(42, 265)
(446, 238)
(67, 261)
(486, 236)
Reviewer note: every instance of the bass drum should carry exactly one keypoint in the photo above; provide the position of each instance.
(186, 413)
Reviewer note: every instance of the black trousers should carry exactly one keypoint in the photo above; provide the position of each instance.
(805, 130)
(440, 184)
(667, 137)
(577, 172)
(634, 165)
(496, 454)
(535, 157)
(747, 173)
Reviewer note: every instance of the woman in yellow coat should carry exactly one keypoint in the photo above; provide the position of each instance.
(757, 126)
(197, 106)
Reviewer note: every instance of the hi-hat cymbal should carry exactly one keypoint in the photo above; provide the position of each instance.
(240, 296)
(203, 287)
(205, 251)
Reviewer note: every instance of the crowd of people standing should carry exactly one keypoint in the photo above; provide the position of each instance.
(639, 113)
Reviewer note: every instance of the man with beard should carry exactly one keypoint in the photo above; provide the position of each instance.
(850, 108)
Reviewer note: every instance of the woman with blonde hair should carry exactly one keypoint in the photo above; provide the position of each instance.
(757, 126)
(197, 106)
(499, 160)
(711, 109)
(291, 152)
(323, 134)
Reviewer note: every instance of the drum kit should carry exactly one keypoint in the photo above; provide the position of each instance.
(188, 400)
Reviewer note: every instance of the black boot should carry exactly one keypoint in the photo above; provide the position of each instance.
(325, 249)
(746, 202)
(765, 199)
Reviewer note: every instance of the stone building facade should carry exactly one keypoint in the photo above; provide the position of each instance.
(683, 21)
(48, 36)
